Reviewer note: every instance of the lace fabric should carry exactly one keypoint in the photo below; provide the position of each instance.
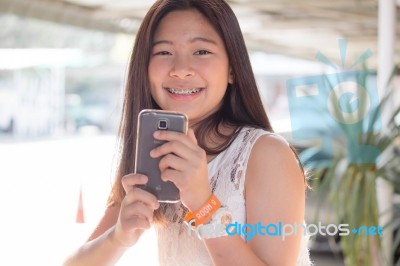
(177, 245)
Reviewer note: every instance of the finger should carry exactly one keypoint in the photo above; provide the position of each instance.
(138, 209)
(139, 222)
(174, 176)
(139, 195)
(176, 147)
(129, 181)
(172, 161)
(168, 135)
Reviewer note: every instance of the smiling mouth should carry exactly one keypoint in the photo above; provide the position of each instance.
(188, 91)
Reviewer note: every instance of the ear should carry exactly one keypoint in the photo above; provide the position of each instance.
(231, 78)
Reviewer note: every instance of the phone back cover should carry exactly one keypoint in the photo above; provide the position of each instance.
(148, 123)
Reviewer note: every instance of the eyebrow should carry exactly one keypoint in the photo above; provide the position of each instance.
(195, 39)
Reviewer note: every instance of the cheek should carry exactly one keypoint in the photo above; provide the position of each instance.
(151, 72)
(221, 69)
(154, 77)
(153, 81)
(157, 70)
(218, 74)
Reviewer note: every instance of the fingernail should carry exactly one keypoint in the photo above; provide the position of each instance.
(156, 134)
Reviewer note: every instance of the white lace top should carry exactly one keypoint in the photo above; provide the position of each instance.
(226, 174)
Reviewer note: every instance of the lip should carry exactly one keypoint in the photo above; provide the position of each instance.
(183, 97)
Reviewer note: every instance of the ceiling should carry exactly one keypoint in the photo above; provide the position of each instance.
(289, 27)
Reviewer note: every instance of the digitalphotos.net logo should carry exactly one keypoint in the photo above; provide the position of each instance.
(282, 230)
(340, 104)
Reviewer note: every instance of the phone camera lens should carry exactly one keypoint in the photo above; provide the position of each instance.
(162, 124)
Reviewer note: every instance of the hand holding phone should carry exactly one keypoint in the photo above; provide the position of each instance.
(150, 121)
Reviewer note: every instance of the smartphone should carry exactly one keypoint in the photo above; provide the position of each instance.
(149, 121)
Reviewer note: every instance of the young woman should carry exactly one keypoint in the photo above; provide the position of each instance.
(190, 56)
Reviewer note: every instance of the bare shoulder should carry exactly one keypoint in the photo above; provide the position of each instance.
(273, 161)
(274, 148)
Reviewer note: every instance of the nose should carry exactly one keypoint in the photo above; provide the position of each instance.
(181, 68)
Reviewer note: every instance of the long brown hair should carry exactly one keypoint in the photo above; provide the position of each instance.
(242, 105)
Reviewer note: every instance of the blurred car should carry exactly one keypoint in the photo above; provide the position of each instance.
(8, 105)
(97, 111)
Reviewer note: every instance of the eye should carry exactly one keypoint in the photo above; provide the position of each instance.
(202, 52)
(162, 53)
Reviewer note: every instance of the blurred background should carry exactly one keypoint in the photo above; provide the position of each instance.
(63, 66)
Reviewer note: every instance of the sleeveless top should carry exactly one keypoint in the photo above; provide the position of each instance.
(226, 173)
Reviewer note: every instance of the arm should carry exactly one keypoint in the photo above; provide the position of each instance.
(102, 248)
(275, 192)
(120, 227)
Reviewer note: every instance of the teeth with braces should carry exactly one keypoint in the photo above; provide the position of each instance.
(184, 91)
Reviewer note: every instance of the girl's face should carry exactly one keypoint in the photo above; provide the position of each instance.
(189, 67)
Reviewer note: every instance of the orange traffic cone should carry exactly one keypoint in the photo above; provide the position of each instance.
(80, 218)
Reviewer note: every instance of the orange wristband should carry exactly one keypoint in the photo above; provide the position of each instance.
(204, 213)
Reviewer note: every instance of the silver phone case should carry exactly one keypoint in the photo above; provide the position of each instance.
(148, 122)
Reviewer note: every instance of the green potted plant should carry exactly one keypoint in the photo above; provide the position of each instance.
(344, 173)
